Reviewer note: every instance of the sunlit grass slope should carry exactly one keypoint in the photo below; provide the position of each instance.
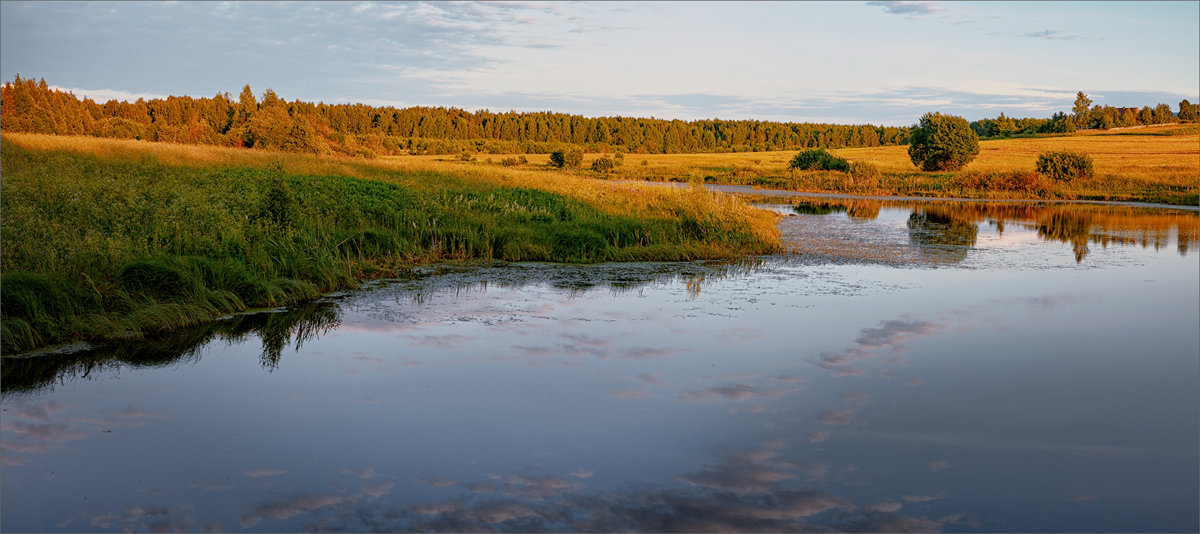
(104, 238)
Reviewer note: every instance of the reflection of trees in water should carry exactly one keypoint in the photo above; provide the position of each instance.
(938, 235)
(1068, 228)
(276, 330)
(422, 283)
(1080, 225)
(856, 209)
(818, 208)
(864, 210)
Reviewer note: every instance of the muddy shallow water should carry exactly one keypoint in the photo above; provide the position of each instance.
(905, 368)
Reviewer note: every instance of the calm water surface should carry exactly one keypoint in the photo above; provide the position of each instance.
(909, 369)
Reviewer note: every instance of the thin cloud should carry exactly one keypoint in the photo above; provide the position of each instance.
(734, 392)
(377, 489)
(890, 336)
(885, 506)
(839, 417)
(630, 394)
(437, 482)
(258, 473)
(908, 7)
(105, 95)
(290, 507)
(1052, 34)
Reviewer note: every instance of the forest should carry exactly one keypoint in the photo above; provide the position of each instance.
(269, 122)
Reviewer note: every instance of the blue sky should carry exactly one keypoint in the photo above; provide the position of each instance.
(843, 62)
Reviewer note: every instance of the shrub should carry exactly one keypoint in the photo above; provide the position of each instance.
(603, 164)
(558, 158)
(510, 162)
(573, 157)
(818, 159)
(1064, 166)
(466, 155)
(942, 143)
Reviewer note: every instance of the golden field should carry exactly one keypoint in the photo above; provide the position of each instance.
(1149, 164)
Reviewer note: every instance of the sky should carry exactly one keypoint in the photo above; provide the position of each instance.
(841, 62)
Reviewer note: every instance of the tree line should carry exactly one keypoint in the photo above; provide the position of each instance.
(1086, 116)
(272, 123)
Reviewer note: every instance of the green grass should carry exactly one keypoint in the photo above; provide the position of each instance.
(101, 247)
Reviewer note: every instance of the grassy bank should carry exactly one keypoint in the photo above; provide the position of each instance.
(1152, 164)
(115, 239)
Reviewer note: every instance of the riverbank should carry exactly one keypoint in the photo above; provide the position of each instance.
(106, 239)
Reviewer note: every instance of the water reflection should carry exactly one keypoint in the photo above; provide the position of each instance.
(939, 236)
(785, 393)
(749, 490)
(276, 329)
(946, 229)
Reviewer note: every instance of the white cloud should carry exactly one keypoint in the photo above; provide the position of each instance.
(104, 95)
(909, 7)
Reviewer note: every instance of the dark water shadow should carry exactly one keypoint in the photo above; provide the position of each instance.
(276, 329)
(292, 327)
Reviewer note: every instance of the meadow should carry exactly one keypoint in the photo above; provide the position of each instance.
(106, 239)
(1158, 164)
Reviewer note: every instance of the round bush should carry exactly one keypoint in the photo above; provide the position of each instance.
(603, 164)
(558, 158)
(573, 157)
(819, 159)
(942, 143)
(1064, 166)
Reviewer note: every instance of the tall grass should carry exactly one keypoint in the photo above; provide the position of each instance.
(104, 239)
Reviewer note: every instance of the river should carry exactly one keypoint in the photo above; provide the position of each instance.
(905, 367)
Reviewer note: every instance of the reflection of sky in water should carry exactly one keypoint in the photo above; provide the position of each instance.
(1016, 390)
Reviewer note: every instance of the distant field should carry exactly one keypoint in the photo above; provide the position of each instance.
(1141, 152)
(1148, 164)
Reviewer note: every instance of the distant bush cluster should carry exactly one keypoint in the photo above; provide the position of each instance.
(572, 157)
(603, 164)
(1065, 166)
(818, 159)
